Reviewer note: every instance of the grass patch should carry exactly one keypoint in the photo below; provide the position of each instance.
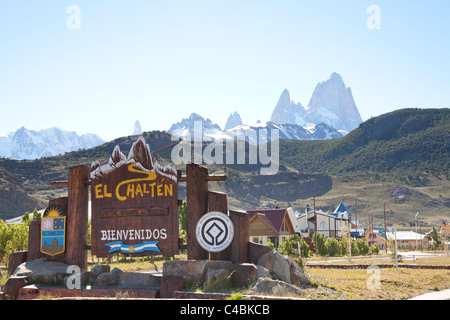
(385, 284)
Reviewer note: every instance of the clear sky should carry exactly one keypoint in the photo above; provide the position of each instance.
(159, 61)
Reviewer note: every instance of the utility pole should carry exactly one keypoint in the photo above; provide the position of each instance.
(385, 230)
(396, 257)
(315, 224)
(415, 220)
(349, 239)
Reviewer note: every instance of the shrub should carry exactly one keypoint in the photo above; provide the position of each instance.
(319, 243)
(375, 249)
(333, 247)
(13, 238)
(290, 247)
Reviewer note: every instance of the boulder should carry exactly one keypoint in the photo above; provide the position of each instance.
(277, 266)
(297, 275)
(266, 286)
(243, 274)
(262, 272)
(103, 268)
(42, 271)
(16, 259)
(214, 275)
(109, 278)
(13, 285)
(194, 271)
(170, 284)
(139, 279)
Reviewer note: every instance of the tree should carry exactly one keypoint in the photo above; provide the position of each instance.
(437, 240)
(333, 247)
(375, 249)
(290, 247)
(182, 220)
(270, 245)
(319, 244)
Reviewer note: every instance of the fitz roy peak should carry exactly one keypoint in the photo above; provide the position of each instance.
(331, 103)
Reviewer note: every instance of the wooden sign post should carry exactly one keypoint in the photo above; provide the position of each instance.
(134, 205)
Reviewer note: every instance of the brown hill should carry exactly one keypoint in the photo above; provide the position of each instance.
(14, 199)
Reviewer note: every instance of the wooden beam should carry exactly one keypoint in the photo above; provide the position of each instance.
(217, 201)
(65, 183)
(196, 206)
(213, 177)
(239, 246)
(77, 217)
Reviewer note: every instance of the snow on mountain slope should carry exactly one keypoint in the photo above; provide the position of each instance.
(331, 103)
(25, 144)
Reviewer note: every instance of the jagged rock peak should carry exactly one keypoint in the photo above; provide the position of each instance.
(137, 128)
(233, 120)
(140, 152)
(287, 111)
(332, 103)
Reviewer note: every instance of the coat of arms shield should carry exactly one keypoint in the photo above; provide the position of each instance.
(53, 231)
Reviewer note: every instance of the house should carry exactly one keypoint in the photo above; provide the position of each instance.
(274, 225)
(445, 230)
(408, 239)
(332, 224)
(375, 235)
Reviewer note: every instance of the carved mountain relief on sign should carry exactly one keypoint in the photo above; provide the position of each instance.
(134, 204)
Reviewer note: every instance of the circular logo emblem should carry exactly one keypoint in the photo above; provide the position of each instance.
(214, 231)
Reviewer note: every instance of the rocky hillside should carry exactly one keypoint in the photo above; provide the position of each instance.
(14, 198)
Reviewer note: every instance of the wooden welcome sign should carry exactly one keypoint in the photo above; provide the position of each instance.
(134, 204)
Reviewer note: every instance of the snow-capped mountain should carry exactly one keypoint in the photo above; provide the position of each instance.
(310, 131)
(233, 120)
(287, 111)
(25, 144)
(197, 128)
(137, 128)
(331, 103)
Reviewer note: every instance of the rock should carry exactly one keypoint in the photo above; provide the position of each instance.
(277, 265)
(193, 271)
(111, 278)
(243, 274)
(116, 272)
(268, 286)
(16, 259)
(215, 275)
(297, 275)
(262, 272)
(87, 277)
(103, 268)
(106, 279)
(170, 284)
(137, 279)
(13, 285)
(42, 271)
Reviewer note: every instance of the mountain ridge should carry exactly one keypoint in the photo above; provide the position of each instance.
(24, 144)
(331, 103)
(407, 149)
